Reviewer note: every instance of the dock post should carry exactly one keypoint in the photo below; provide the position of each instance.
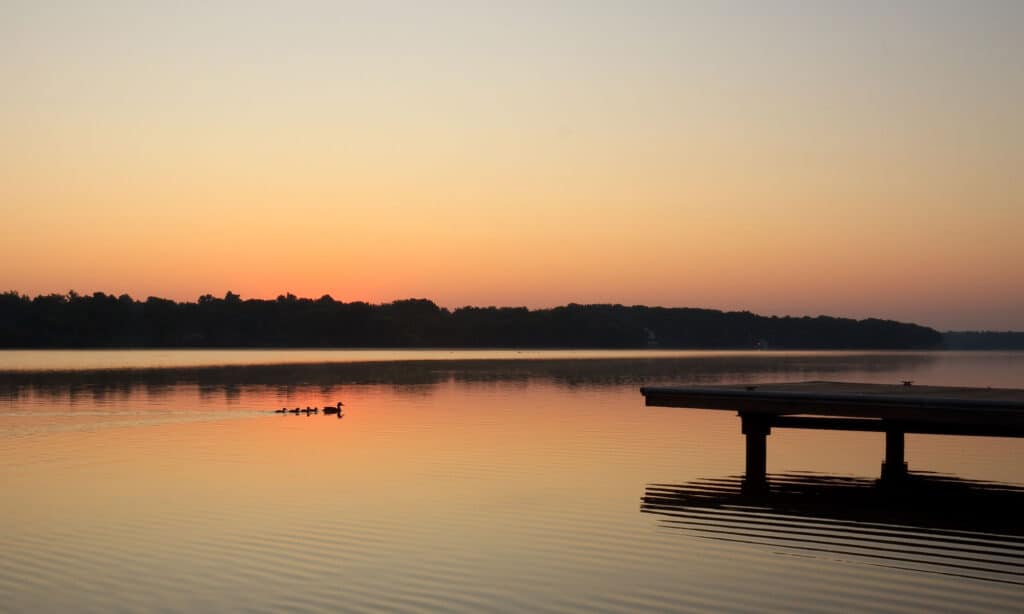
(756, 428)
(894, 466)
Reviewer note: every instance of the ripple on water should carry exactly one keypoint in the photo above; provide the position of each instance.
(464, 491)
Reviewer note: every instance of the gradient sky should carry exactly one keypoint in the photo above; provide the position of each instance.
(857, 159)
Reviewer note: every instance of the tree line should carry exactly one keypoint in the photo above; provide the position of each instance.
(983, 340)
(102, 320)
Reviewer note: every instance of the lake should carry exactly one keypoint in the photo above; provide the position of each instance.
(482, 481)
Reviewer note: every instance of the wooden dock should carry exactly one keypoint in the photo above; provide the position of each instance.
(886, 408)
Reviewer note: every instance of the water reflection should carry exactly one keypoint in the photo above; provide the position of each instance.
(931, 523)
(472, 487)
(422, 377)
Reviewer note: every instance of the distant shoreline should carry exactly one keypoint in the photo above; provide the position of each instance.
(436, 369)
(439, 357)
(983, 340)
(99, 320)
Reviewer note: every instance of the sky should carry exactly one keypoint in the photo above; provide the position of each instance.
(858, 159)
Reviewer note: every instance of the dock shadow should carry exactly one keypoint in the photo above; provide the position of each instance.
(929, 523)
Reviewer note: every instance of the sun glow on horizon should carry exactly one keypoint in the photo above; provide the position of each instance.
(793, 160)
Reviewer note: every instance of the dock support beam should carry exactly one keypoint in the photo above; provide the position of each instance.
(894, 467)
(756, 428)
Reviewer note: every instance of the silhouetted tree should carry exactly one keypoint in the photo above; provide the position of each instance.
(102, 320)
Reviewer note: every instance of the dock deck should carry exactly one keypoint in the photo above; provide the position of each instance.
(894, 409)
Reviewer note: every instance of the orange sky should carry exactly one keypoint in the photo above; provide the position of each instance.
(801, 160)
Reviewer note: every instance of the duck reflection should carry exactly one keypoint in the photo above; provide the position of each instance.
(930, 523)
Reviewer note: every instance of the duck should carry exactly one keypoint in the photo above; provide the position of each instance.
(281, 411)
(333, 410)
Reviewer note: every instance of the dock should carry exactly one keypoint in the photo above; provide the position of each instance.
(893, 409)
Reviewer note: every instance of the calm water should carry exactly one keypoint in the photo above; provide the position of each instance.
(46, 360)
(484, 482)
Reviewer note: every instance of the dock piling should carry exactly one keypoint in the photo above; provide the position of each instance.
(756, 429)
(894, 466)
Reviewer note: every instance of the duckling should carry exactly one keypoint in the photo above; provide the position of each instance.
(295, 411)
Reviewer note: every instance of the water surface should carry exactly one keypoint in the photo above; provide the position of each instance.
(48, 360)
(485, 484)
